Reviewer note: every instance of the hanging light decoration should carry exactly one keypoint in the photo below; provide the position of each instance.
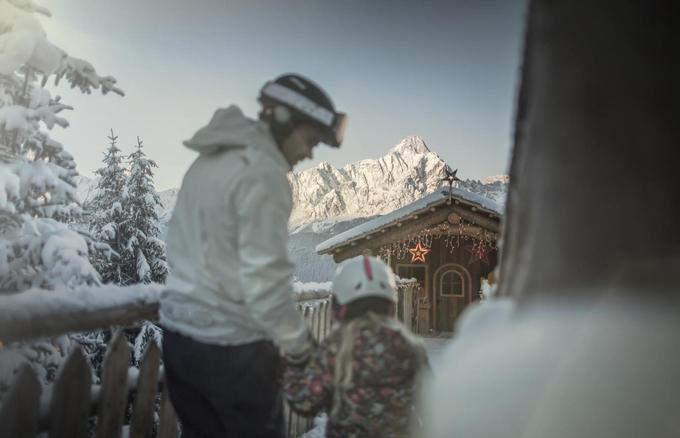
(418, 253)
(478, 253)
(452, 236)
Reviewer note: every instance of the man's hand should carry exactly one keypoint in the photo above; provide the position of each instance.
(299, 358)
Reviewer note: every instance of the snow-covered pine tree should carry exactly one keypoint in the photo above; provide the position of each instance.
(37, 190)
(143, 232)
(107, 218)
(143, 227)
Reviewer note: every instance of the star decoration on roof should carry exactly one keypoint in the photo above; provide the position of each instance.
(478, 253)
(450, 178)
(450, 175)
(418, 253)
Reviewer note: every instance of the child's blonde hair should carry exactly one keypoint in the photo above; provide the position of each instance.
(344, 372)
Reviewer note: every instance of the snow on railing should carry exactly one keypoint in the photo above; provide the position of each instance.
(72, 399)
(40, 313)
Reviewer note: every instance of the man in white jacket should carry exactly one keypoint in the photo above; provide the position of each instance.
(228, 304)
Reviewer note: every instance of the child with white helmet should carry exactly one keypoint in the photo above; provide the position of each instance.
(364, 374)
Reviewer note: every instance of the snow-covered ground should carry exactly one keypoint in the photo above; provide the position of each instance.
(435, 348)
(319, 429)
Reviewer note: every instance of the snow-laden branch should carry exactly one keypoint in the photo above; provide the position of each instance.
(80, 73)
(23, 43)
(30, 6)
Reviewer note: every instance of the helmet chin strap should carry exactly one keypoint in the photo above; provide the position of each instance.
(293, 147)
(282, 129)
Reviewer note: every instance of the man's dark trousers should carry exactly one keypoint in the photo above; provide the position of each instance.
(218, 391)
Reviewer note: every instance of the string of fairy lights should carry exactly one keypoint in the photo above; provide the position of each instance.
(464, 234)
(454, 233)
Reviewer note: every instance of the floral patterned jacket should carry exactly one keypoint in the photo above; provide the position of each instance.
(364, 375)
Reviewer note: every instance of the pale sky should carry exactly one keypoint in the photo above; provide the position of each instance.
(446, 71)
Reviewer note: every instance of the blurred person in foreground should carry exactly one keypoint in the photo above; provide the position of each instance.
(365, 374)
(582, 337)
(228, 308)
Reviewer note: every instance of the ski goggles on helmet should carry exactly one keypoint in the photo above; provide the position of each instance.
(336, 133)
(334, 123)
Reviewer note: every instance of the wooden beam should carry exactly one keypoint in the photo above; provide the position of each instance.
(476, 218)
(466, 230)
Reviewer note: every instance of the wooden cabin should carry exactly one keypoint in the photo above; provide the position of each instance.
(446, 240)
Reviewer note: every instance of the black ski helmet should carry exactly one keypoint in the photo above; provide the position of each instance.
(292, 99)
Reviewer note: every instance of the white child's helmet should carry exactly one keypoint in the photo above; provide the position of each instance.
(362, 277)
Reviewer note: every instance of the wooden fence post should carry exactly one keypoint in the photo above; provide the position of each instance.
(316, 321)
(70, 404)
(315, 310)
(306, 316)
(168, 427)
(147, 386)
(20, 409)
(322, 320)
(288, 416)
(113, 396)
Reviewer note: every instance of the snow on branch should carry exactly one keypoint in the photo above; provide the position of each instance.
(80, 73)
(24, 44)
(31, 6)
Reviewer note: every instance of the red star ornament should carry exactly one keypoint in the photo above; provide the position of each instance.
(418, 253)
(478, 253)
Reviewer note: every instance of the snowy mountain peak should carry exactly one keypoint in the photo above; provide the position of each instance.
(361, 189)
(411, 144)
(503, 179)
(369, 187)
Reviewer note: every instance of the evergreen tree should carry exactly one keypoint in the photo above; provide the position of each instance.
(144, 247)
(37, 188)
(107, 217)
(38, 197)
(142, 227)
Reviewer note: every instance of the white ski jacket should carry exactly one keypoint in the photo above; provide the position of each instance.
(230, 278)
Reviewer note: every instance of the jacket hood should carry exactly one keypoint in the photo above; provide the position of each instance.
(230, 129)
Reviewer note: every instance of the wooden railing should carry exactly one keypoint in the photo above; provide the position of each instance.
(69, 404)
(408, 305)
(316, 310)
(66, 409)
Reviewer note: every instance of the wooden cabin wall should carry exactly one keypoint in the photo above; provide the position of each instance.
(444, 311)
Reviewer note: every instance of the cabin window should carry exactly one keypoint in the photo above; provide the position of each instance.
(452, 284)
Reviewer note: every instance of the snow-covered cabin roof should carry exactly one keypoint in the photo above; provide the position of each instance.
(439, 197)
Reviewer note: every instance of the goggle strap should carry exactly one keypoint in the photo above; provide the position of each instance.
(299, 102)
